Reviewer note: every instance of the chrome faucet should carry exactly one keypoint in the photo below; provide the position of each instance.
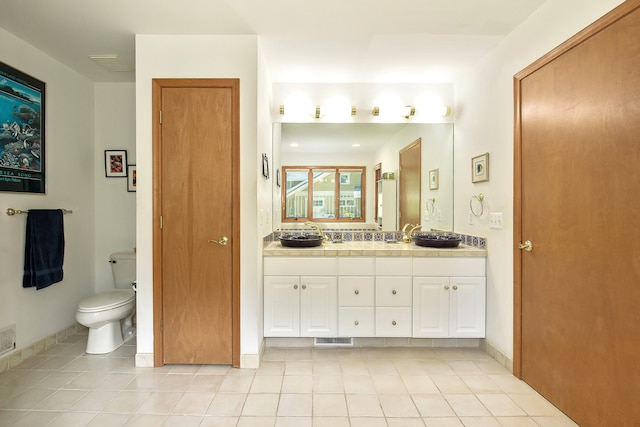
(318, 229)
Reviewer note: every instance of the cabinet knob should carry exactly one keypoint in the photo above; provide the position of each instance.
(357, 292)
(295, 286)
(455, 287)
(356, 323)
(446, 287)
(394, 292)
(394, 323)
(304, 286)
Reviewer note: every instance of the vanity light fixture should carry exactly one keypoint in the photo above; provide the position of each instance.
(282, 109)
(409, 112)
(317, 115)
(376, 111)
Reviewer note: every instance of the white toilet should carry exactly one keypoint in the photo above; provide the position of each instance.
(109, 314)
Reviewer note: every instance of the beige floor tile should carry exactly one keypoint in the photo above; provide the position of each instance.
(58, 379)
(175, 382)
(184, 369)
(87, 381)
(146, 381)
(219, 422)
(266, 384)
(511, 384)
(299, 367)
(516, 422)
(464, 367)
(227, 404)
(116, 381)
(31, 398)
(354, 367)
(466, 405)
(261, 405)
(437, 367)
(109, 420)
(193, 403)
(271, 368)
(146, 420)
(382, 367)
(94, 400)
(535, 405)
(205, 383)
(368, 422)
(293, 422)
(422, 384)
(554, 422)
(364, 405)
(127, 401)
(297, 384)
(479, 422)
(299, 354)
(214, 370)
(358, 384)
(442, 422)
(500, 405)
(405, 422)
(161, 402)
(274, 354)
(327, 367)
(330, 422)
(256, 422)
(295, 405)
(398, 406)
(182, 421)
(410, 367)
(35, 418)
(491, 366)
(236, 384)
(480, 384)
(433, 405)
(72, 419)
(329, 405)
(328, 384)
(389, 384)
(450, 384)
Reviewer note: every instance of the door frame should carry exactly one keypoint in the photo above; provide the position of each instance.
(401, 193)
(157, 86)
(601, 24)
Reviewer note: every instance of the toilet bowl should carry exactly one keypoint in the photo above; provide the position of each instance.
(109, 314)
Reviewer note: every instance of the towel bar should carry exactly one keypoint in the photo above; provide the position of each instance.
(12, 212)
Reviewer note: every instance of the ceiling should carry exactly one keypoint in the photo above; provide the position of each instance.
(329, 41)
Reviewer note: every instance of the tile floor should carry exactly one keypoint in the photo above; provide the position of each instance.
(373, 387)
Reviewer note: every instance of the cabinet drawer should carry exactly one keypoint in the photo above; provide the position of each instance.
(356, 322)
(393, 321)
(399, 266)
(356, 291)
(445, 266)
(298, 266)
(393, 291)
(355, 266)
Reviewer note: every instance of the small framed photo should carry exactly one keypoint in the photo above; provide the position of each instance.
(480, 168)
(434, 179)
(115, 163)
(131, 178)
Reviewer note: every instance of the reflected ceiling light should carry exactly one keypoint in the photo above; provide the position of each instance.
(294, 144)
(376, 111)
(355, 145)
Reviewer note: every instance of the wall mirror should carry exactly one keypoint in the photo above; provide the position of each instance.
(368, 145)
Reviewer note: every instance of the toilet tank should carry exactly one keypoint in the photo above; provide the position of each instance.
(123, 266)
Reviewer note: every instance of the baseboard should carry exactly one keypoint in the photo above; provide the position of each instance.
(17, 356)
(252, 361)
(382, 342)
(496, 354)
(144, 360)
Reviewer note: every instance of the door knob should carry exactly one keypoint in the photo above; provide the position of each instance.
(222, 241)
(527, 246)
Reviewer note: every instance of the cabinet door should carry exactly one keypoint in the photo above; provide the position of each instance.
(318, 306)
(468, 312)
(431, 307)
(281, 306)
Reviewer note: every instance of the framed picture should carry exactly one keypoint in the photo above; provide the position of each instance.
(434, 179)
(22, 146)
(131, 178)
(265, 166)
(480, 168)
(115, 163)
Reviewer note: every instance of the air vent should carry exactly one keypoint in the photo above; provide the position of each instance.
(333, 341)
(111, 62)
(7, 339)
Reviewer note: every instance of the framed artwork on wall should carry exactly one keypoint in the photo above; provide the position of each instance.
(480, 168)
(131, 178)
(22, 146)
(115, 163)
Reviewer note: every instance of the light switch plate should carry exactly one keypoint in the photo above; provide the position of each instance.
(496, 220)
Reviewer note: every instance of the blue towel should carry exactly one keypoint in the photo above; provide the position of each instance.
(44, 248)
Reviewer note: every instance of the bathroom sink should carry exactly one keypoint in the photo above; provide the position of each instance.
(433, 240)
(301, 241)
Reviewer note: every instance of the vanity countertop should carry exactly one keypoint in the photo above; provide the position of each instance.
(373, 249)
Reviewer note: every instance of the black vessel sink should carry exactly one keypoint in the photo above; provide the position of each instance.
(301, 241)
(432, 240)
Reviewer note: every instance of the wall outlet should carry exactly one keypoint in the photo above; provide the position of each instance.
(496, 220)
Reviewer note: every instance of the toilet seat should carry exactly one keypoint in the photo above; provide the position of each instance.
(107, 300)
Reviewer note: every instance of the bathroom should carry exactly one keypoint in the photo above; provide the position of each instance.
(114, 116)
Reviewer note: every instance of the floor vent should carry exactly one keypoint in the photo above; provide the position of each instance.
(7, 339)
(333, 341)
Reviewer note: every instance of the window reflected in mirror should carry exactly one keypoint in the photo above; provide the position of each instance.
(323, 194)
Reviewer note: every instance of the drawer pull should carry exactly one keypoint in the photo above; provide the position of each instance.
(295, 286)
(394, 292)
(446, 287)
(356, 323)
(455, 287)
(357, 292)
(394, 323)
(304, 286)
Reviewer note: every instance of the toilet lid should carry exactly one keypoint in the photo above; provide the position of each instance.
(107, 300)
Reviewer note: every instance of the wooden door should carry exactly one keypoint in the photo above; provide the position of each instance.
(577, 199)
(409, 183)
(196, 241)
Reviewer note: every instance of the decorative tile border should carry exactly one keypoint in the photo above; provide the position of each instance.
(367, 235)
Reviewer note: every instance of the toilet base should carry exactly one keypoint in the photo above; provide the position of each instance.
(105, 339)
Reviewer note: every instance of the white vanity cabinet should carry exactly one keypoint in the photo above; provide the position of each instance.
(393, 297)
(449, 297)
(303, 302)
(356, 297)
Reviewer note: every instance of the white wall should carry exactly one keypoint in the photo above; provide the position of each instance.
(199, 57)
(115, 119)
(484, 123)
(70, 160)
